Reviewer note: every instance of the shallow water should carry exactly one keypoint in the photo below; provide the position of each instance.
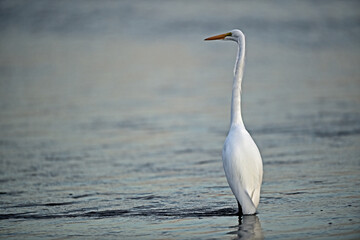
(113, 117)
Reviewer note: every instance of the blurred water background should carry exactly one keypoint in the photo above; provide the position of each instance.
(113, 116)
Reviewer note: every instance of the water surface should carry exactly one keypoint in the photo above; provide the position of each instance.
(113, 117)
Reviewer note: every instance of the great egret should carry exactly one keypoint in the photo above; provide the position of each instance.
(241, 157)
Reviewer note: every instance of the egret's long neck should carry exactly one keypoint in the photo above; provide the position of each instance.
(236, 118)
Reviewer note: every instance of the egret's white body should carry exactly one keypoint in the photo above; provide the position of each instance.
(241, 157)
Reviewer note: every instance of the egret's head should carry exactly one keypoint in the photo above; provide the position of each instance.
(235, 35)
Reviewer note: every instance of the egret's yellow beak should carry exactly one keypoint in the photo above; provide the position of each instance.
(218, 37)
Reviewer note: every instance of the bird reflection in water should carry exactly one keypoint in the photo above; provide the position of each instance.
(249, 228)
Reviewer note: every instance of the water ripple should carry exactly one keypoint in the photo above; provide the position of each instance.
(182, 213)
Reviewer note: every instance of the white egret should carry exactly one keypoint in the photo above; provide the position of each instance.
(241, 157)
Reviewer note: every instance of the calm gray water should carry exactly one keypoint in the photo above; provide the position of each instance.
(113, 115)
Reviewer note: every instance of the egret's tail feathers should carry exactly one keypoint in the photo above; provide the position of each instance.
(256, 197)
(247, 205)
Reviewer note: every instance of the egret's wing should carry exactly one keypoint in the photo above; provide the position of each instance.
(243, 169)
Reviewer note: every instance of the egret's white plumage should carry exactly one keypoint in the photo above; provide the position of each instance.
(241, 157)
